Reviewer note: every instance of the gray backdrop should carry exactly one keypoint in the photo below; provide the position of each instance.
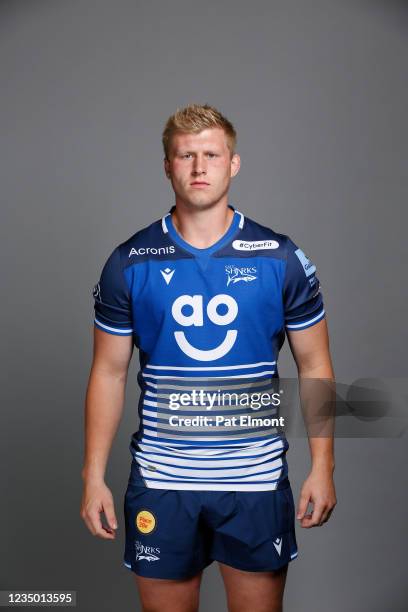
(318, 93)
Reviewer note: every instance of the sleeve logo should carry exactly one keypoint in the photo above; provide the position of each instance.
(96, 292)
(307, 265)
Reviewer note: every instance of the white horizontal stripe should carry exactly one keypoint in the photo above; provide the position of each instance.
(174, 472)
(294, 326)
(176, 446)
(235, 477)
(150, 403)
(212, 377)
(127, 565)
(181, 451)
(196, 432)
(192, 486)
(226, 409)
(227, 367)
(201, 437)
(207, 462)
(150, 413)
(120, 331)
(294, 555)
(208, 455)
(223, 387)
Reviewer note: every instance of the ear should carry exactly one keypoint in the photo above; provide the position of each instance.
(166, 167)
(235, 164)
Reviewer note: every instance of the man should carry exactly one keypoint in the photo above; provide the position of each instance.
(206, 294)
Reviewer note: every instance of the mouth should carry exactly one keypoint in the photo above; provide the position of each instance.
(199, 184)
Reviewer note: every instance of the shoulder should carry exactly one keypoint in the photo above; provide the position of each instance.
(149, 240)
(254, 236)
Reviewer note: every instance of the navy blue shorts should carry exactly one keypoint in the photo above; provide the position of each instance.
(175, 534)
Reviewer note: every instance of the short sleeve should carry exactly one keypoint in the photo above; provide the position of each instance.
(113, 313)
(303, 300)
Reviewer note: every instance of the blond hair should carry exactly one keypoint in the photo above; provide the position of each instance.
(194, 118)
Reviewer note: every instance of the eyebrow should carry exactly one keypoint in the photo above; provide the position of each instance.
(193, 152)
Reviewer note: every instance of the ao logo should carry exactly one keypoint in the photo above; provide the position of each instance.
(196, 318)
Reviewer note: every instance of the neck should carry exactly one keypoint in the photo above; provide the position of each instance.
(203, 227)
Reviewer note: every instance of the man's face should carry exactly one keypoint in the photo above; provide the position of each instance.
(200, 167)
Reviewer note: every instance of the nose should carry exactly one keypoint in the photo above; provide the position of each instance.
(199, 165)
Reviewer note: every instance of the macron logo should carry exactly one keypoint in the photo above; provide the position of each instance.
(278, 545)
(167, 274)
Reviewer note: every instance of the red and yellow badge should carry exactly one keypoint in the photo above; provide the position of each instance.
(145, 521)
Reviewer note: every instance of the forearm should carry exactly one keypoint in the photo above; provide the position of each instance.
(322, 453)
(317, 396)
(103, 410)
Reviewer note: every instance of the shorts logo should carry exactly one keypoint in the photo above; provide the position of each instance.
(145, 521)
(149, 553)
(254, 245)
(278, 545)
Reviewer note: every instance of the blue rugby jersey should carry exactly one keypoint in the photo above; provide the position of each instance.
(209, 324)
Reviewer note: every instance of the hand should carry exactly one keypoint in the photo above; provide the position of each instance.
(318, 489)
(97, 498)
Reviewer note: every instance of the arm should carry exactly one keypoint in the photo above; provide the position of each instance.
(310, 349)
(103, 411)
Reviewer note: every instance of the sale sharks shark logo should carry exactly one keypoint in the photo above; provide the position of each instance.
(148, 553)
(235, 274)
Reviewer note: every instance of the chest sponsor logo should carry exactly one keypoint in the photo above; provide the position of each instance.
(236, 274)
(196, 318)
(254, 245)
(163, 250)
(308, 267)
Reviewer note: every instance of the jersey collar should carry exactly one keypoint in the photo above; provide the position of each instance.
(168, 227)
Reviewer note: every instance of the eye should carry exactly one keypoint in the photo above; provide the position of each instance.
(186, 155)
(212, 155)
